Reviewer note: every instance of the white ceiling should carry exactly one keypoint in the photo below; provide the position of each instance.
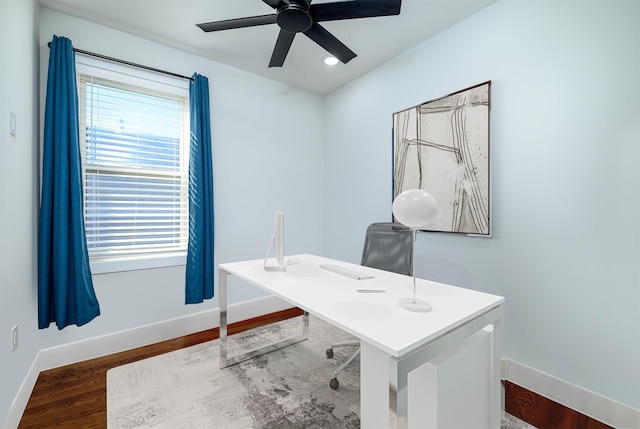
(374, 40)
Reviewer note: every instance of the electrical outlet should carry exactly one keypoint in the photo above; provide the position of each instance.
(14, 338)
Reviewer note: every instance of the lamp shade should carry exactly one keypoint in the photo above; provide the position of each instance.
(415, 207)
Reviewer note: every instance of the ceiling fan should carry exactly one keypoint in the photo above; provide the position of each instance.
(300, 16)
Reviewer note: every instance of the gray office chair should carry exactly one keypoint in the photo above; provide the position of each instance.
(387, 246)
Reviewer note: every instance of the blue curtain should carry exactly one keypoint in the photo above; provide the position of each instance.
(65, 288)
(200, 268)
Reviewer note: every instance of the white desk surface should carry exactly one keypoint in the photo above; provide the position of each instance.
(372, 317)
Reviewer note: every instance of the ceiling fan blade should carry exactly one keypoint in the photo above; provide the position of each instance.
(280, 51)
(330, 43)
(275, 3)
(354, 9)
(229, 24)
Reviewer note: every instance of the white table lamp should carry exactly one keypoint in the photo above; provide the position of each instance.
(414, 208)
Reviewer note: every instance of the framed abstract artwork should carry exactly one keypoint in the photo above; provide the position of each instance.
(442, 146)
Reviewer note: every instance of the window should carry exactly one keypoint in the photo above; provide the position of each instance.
(134, 137)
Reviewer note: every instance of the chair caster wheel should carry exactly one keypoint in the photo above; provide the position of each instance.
(329, 353)
(334, 384)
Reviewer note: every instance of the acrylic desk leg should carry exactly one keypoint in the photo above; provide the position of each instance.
(497, 401)
(222, 285)
(225, 359)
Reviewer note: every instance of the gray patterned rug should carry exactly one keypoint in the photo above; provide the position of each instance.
(284, 389)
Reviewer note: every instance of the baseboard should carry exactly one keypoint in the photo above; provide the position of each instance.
(584, 401)
(22, 397)
(141, 336)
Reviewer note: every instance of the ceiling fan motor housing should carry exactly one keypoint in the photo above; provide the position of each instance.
(294, 17)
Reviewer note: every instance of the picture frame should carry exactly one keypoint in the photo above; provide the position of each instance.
(442, 146)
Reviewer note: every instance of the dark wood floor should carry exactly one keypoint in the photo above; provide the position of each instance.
(75, 396)
(544, 413)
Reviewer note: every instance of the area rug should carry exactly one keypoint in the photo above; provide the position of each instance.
(284, 389)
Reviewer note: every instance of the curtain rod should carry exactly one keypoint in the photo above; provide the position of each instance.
(128, 63)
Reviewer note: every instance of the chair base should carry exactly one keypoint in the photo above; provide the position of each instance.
(333, 383)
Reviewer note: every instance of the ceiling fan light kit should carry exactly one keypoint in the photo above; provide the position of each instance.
(330, 61)
(300, 16)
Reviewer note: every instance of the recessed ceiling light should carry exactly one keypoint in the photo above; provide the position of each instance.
(331, 61)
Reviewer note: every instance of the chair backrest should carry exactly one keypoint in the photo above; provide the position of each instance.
(388, 246)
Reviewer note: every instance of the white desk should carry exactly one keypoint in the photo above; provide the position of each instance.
(394, 341)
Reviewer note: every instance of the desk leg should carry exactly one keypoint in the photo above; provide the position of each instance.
(384, 380)
(374, 387)
(225, 359)
(497, 400)
(222, 298)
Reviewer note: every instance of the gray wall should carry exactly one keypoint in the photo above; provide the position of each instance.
(565, 138)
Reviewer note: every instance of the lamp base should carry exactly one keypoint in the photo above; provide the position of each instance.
(414, 304)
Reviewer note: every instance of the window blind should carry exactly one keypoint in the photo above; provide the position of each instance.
(134, 144)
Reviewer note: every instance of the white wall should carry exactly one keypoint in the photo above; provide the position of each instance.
(261, 164)
(18, 160)
(565, 138)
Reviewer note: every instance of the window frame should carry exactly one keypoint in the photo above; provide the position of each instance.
(153, 81)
